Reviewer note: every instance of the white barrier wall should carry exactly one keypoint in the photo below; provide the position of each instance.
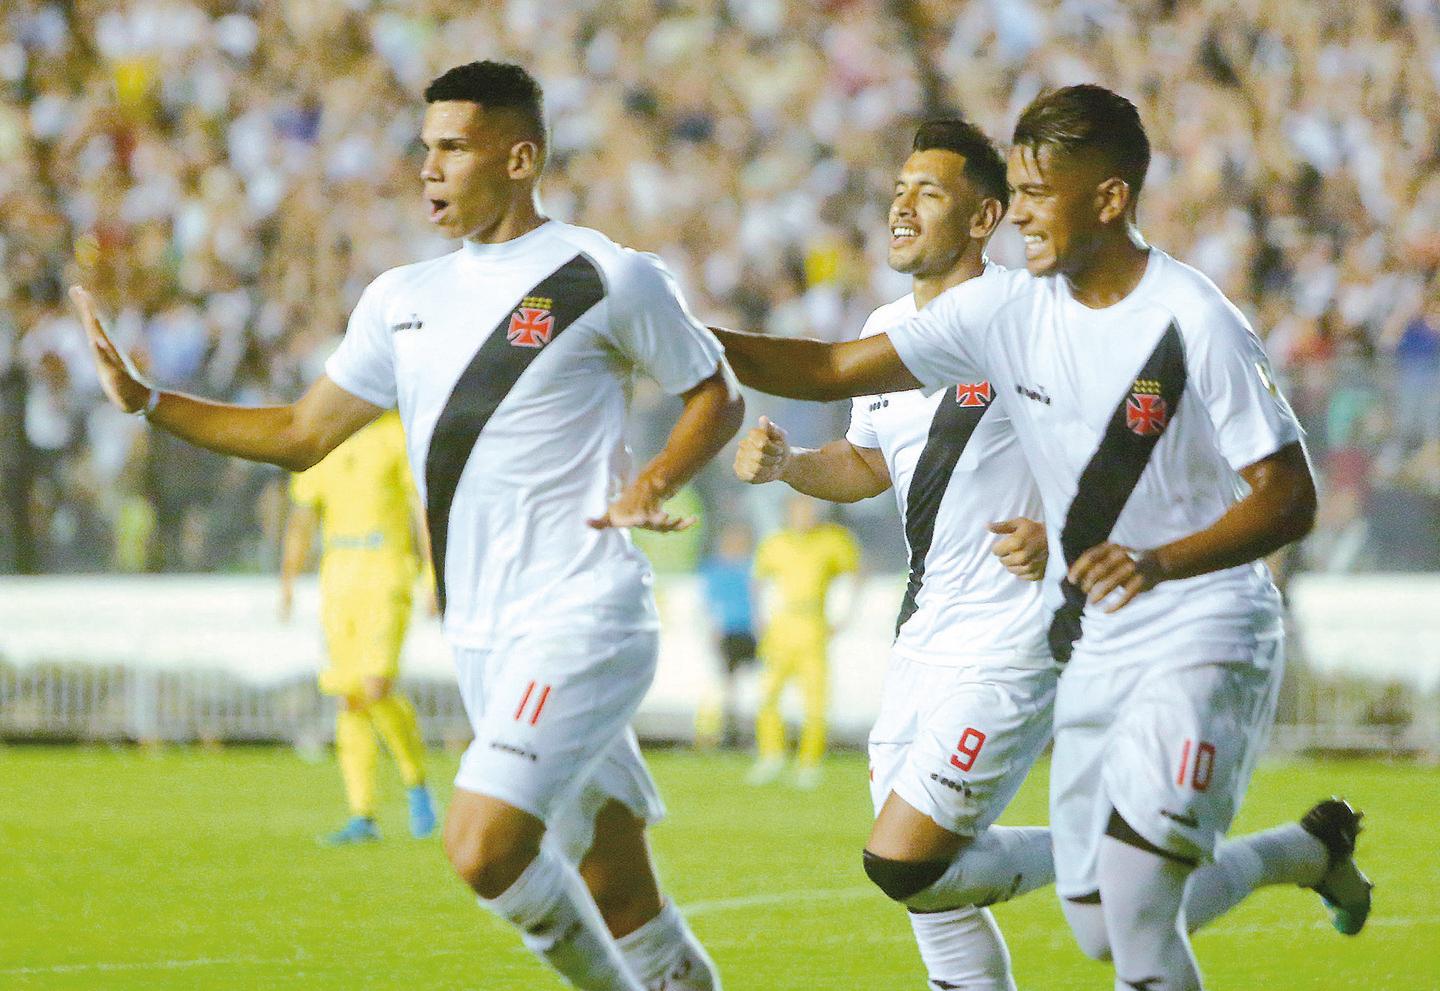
(1383, 628)
(230, 623)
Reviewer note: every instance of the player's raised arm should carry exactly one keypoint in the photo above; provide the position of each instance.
(713, 413)
(801, 368)
(838, 472)
(294, 436)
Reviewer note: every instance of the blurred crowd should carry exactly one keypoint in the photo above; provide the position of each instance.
(229, 174)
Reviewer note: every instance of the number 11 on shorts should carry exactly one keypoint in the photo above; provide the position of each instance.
(1203, 768)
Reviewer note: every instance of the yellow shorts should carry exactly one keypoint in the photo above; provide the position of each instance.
(788, 640)
(365, 626)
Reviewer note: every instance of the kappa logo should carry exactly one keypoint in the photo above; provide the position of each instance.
(532, 324)
(974, 394)
(1145, 411)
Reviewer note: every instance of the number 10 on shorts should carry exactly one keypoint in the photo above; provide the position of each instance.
(1202, 770)
(968, 749)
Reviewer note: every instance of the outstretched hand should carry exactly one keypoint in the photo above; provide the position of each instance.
(762, 454)
(123, 385)
(1022, 547)
(641, 507)
(1107, 567)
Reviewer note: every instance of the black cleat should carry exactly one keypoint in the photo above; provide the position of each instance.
(1345, 891)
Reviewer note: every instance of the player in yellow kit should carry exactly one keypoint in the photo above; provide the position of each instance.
(802, 561)
(363, 500)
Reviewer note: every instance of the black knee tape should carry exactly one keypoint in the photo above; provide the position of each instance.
(1118, 829)
(900, 879)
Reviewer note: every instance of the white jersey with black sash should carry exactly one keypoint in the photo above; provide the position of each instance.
(956, 467)
(1135, 419)
(511, 366)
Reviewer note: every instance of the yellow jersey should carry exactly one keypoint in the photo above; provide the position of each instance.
(364, 496)
(803, 563)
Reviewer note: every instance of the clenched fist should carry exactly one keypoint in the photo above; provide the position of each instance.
(763, 454)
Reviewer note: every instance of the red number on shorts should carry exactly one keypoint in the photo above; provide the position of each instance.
(969, 748)
(1202, 770)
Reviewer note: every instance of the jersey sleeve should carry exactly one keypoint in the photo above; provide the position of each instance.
(945, 342)
(652, 326)
(862, 427)
(1231, 376)
(364, 364)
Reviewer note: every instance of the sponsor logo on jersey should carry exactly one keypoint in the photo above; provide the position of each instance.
(532, 324)
(878, 404)
(974, 394)
(1145, 411)
(414, 323)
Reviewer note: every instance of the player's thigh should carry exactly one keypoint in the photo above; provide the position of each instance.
(1086, 703)
(547, 711)
(620, 791)
(1182, 751)
(978, 736)
(895, 727)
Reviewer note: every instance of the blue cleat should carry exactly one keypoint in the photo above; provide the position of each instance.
(360, 829)
(422, 812)
(1344, 889)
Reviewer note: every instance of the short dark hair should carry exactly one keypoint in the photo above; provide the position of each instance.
(1089, 117)
(984, 165)
(495, 86)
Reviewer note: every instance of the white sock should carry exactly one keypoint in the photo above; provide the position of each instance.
(666, 956)
(963, 950)
(560, 923)
(1284, 855)
(999, 864)
(1141, 895)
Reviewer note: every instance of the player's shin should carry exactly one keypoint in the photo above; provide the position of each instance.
(1001, 863)
(1284, 855)
(559, 922)
(356, 751)
(963, 949)
(666, 955)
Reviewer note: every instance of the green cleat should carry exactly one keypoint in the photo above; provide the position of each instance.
(1344, 889)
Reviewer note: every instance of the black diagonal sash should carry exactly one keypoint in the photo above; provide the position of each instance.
(950, 431)
(1115, 469)
(563, 297)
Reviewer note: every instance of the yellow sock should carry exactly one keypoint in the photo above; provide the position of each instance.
(356, 749)
(394, 717)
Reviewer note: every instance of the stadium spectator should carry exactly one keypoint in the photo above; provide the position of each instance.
(234, 171)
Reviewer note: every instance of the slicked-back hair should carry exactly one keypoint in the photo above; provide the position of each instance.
(495, 86)
(984, 165)
(1089, 118)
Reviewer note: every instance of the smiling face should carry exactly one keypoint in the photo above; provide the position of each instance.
(1063, 203)
(930, 214)
(477, 164)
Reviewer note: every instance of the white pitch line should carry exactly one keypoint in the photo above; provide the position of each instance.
(777, 898)
(84, 968)
(693, 909)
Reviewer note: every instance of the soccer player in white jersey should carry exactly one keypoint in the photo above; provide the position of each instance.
(969, 691)
(1168, 465)
(510, 361)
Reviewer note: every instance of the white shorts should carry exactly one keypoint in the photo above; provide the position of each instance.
(551, 717)
(1170, 745)
(955, 742)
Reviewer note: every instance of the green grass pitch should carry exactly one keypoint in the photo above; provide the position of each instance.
(127, 870)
